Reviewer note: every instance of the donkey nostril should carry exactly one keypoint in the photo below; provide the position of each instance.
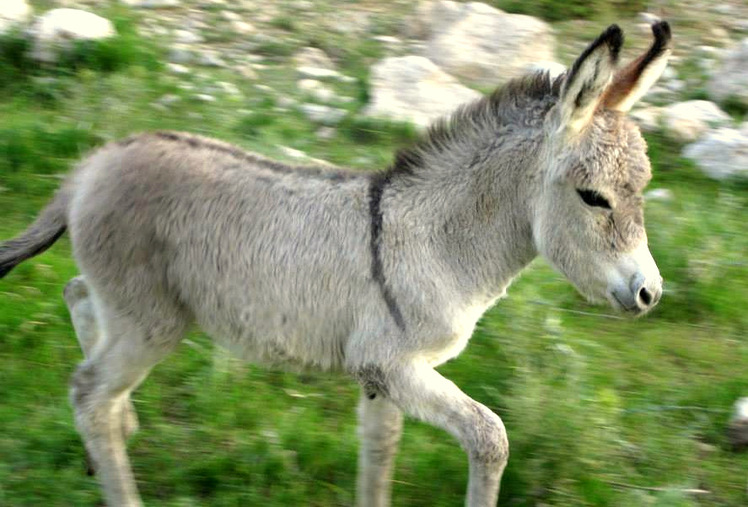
(645, 296)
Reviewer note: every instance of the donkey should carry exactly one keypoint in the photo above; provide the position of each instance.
(381, 276)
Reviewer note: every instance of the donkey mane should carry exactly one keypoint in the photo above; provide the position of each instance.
(508, 104)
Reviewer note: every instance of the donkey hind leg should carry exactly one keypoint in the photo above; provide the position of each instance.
(101, 386)
(380, 427)
(423, 393)
(80, 306)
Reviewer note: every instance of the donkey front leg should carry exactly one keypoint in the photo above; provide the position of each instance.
(380, 426)
(423, 393)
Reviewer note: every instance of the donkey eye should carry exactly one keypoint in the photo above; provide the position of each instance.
(592, 198)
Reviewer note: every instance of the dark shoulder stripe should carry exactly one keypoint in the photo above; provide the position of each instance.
(376, 189)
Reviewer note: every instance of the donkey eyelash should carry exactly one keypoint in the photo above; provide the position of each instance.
(592, 198)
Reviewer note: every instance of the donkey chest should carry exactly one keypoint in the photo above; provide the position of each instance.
(456, 332)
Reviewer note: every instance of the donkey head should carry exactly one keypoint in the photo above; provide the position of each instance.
(588, 219)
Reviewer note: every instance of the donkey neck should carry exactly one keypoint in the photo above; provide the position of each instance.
(467, 206)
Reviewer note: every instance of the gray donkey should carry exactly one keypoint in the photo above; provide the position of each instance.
(382, 276)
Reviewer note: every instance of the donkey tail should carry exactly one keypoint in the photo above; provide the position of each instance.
(47, 229)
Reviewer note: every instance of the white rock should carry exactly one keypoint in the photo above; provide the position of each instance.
(55, 30)
(326, 132)
(476, 42)
(414, 89)
(313, 57)
(291, 152)
(151, 4)
(316, 89)
(242, 27)
(210, 59)
(13, 13)
(648, 17)
(322, 114)
(730, 80)
(659, 194)
(204, 97)
(720, 154)
(388, 39)
(181, 54)
(176, 68)
(648, 118)
(187, 37)
(318, 73)
(686, 121)
(168, 99)
(230, 16)
(228, 88)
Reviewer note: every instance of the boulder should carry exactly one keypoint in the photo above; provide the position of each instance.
(481, 44)
(55, 30)
(414, 89)
(13, 13)
(687, 121)
(730, 80)
(721, 153)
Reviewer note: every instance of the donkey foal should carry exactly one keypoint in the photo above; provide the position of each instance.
(381, 275)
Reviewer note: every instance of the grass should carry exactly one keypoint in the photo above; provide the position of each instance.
(597, 408)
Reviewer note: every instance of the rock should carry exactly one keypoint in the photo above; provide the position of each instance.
(56, 29)
(228, 88)
(204, 97)
(648, 17)
(230, 16)
(737, 428)
(414, 89)
(648, 118)
(476, 42)
(730, 80)
(686, 121)
(291, 152)
(553, 69)
(720, 154)
(325, 115)
(187, 37)
(181, 54)
(242, 27)
(659, 194)
(151, 4)
(388, 39)
(318, 73)
(13, 13)
(210, 59)
(326, 133)
(313, 57)
(247, 72)
(317, 90)
(176, 68)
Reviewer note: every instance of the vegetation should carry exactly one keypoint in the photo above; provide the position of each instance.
(599, 410)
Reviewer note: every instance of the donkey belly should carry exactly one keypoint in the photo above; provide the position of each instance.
(278, 336)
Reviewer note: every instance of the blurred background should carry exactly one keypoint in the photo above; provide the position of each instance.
(599, 410)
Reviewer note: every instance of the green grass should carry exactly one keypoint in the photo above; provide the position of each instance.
(597, 408)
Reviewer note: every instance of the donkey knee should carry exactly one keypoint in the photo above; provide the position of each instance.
(489, 444)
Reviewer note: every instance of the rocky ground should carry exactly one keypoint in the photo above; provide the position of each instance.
(436, 54)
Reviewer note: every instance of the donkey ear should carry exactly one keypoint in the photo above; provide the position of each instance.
(633, 81)
(586, 81)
